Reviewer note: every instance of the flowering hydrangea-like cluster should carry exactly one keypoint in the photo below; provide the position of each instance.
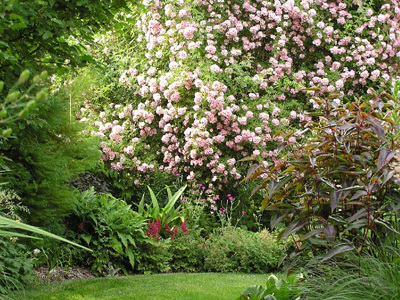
(217, 80)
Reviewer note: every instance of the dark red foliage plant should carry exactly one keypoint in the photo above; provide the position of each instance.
(335, 191)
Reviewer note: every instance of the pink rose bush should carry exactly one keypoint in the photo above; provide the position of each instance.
(213, 81)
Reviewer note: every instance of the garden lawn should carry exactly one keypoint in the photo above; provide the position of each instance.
(158, 286)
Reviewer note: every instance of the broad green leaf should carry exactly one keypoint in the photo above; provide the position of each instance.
(173, 200)
(116, 245)
(256, 290)
(124, 238)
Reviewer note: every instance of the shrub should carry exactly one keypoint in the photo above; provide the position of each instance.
(187, 253)
(15, 265)
(47, 151)
(210, 82)
(182, 251)
(236, 250)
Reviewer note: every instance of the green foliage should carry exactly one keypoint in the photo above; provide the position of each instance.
(184, 253)
(110, 228)
(19, 99)
(236, 250)
(47, 151)
(15, 265)
(333, 190)
(275, 289)
(169, 214)
(154, 258)
(370, 276)
(50, 33)
(188, 253)
(6, 224)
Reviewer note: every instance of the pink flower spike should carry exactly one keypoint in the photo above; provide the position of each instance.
(243, 212)
(230, 198)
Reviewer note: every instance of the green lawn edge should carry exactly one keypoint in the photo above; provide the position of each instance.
(194, 286)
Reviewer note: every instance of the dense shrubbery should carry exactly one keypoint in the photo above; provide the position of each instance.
(205, 84)
(236, 250)
(211, 82)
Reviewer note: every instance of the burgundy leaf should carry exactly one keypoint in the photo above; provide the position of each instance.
(330, 233)
(338, 250)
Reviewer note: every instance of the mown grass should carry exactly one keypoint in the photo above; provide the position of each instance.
(178, 286)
